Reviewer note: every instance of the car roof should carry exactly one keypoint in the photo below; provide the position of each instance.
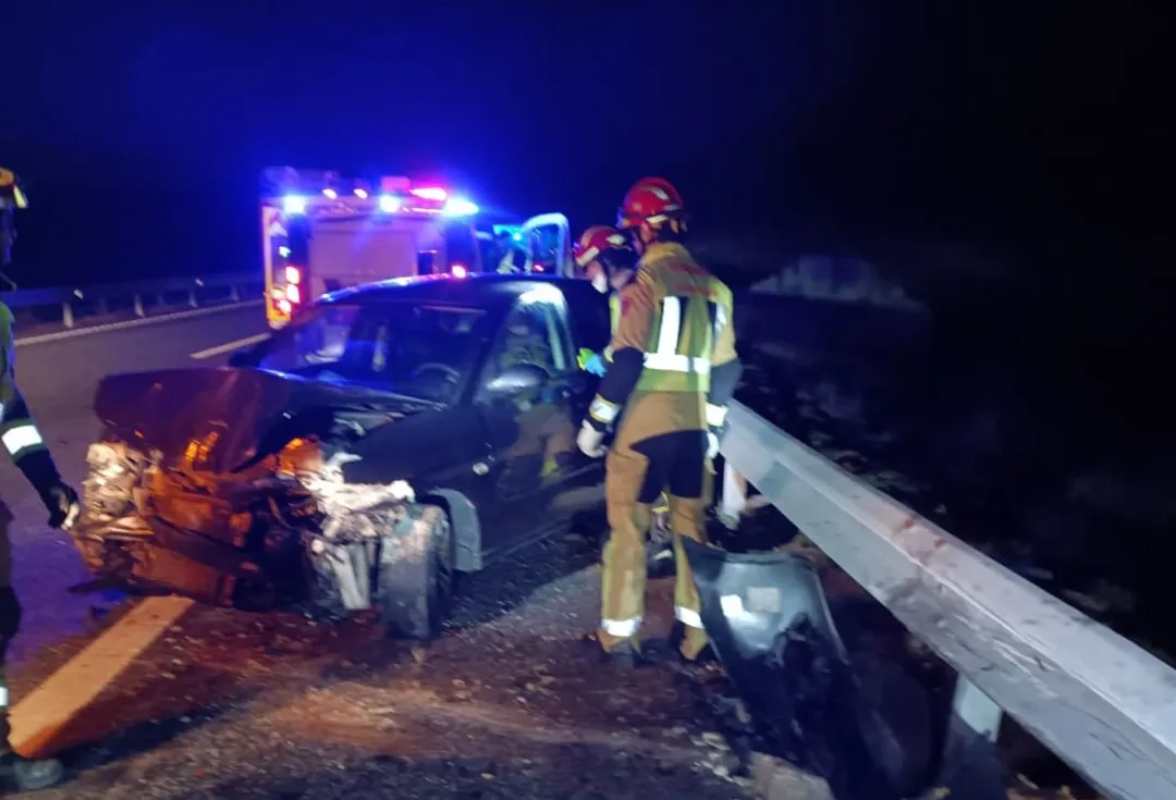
(476, 291)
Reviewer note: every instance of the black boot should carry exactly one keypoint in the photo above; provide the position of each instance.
(624, 656)
(705, 657)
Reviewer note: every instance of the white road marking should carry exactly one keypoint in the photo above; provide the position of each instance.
(132, 323)
(49, 708)
(228, 347)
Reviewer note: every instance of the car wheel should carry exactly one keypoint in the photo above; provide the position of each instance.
(415, 577)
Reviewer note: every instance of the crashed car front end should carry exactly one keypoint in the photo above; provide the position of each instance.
(280, 527)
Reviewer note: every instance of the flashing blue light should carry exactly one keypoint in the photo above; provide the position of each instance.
(518, 237)
(390, 203)
(459, 207)
(294, 204)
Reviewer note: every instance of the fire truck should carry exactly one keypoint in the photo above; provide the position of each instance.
(321, 232)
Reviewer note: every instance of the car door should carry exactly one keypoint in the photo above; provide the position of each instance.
(532, 433)
(549, 246)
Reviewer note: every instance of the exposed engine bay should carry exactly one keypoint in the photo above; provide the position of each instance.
(286, 529)
(257, 526)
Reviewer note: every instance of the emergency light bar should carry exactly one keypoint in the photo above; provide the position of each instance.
(459, 207)
(434, 193)
(304, 191)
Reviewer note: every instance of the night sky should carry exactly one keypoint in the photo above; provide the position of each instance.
(140, 133)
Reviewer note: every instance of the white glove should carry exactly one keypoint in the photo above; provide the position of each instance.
(591, 441)
(712, 445)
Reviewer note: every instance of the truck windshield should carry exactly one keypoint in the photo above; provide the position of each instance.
(425, 351)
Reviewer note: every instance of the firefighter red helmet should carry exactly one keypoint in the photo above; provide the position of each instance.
(594, 241)
(652, 200)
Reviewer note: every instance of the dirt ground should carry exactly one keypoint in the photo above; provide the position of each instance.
(510, 701)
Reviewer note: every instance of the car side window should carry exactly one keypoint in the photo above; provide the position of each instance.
(559, 336)
(533, 333)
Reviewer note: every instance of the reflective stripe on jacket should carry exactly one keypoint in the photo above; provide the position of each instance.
(18, 431)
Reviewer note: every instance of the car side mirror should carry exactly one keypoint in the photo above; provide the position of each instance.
(516, 380)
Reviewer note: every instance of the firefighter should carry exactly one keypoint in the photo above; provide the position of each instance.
(673, 370)
(23, 442)
(609, 262)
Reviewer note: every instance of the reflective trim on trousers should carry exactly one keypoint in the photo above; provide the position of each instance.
(22, 437)
(688, 616)
(675, 363)
(603, 411)
(621, 627)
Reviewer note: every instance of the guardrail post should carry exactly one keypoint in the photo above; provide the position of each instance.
(67, 316)
(234, 294)
(139, 312)
(975, 709)
(734, 499)
(192, 298)
(969, 755)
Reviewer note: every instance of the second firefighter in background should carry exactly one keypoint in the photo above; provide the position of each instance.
(666, 389)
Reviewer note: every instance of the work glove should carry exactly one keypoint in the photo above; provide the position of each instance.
(596, 366)
(591, 362)
(591, 441)
(63, 505)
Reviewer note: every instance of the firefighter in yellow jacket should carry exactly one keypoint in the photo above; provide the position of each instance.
(24, 444)
(673, 370)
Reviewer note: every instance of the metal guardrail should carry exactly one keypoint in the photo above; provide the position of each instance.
(1097, 700)
(138, 295)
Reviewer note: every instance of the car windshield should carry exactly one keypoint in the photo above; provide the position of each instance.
(421, 350)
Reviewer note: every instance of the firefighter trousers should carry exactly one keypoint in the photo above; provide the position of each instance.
(637, 472)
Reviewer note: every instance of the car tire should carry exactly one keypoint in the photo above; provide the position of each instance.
(415, 584)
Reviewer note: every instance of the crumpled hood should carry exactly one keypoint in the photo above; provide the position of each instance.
(220, 419)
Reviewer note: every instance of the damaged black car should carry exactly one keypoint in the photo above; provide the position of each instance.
(394, 435)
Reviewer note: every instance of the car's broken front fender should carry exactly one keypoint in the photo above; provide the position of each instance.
(289, 528)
